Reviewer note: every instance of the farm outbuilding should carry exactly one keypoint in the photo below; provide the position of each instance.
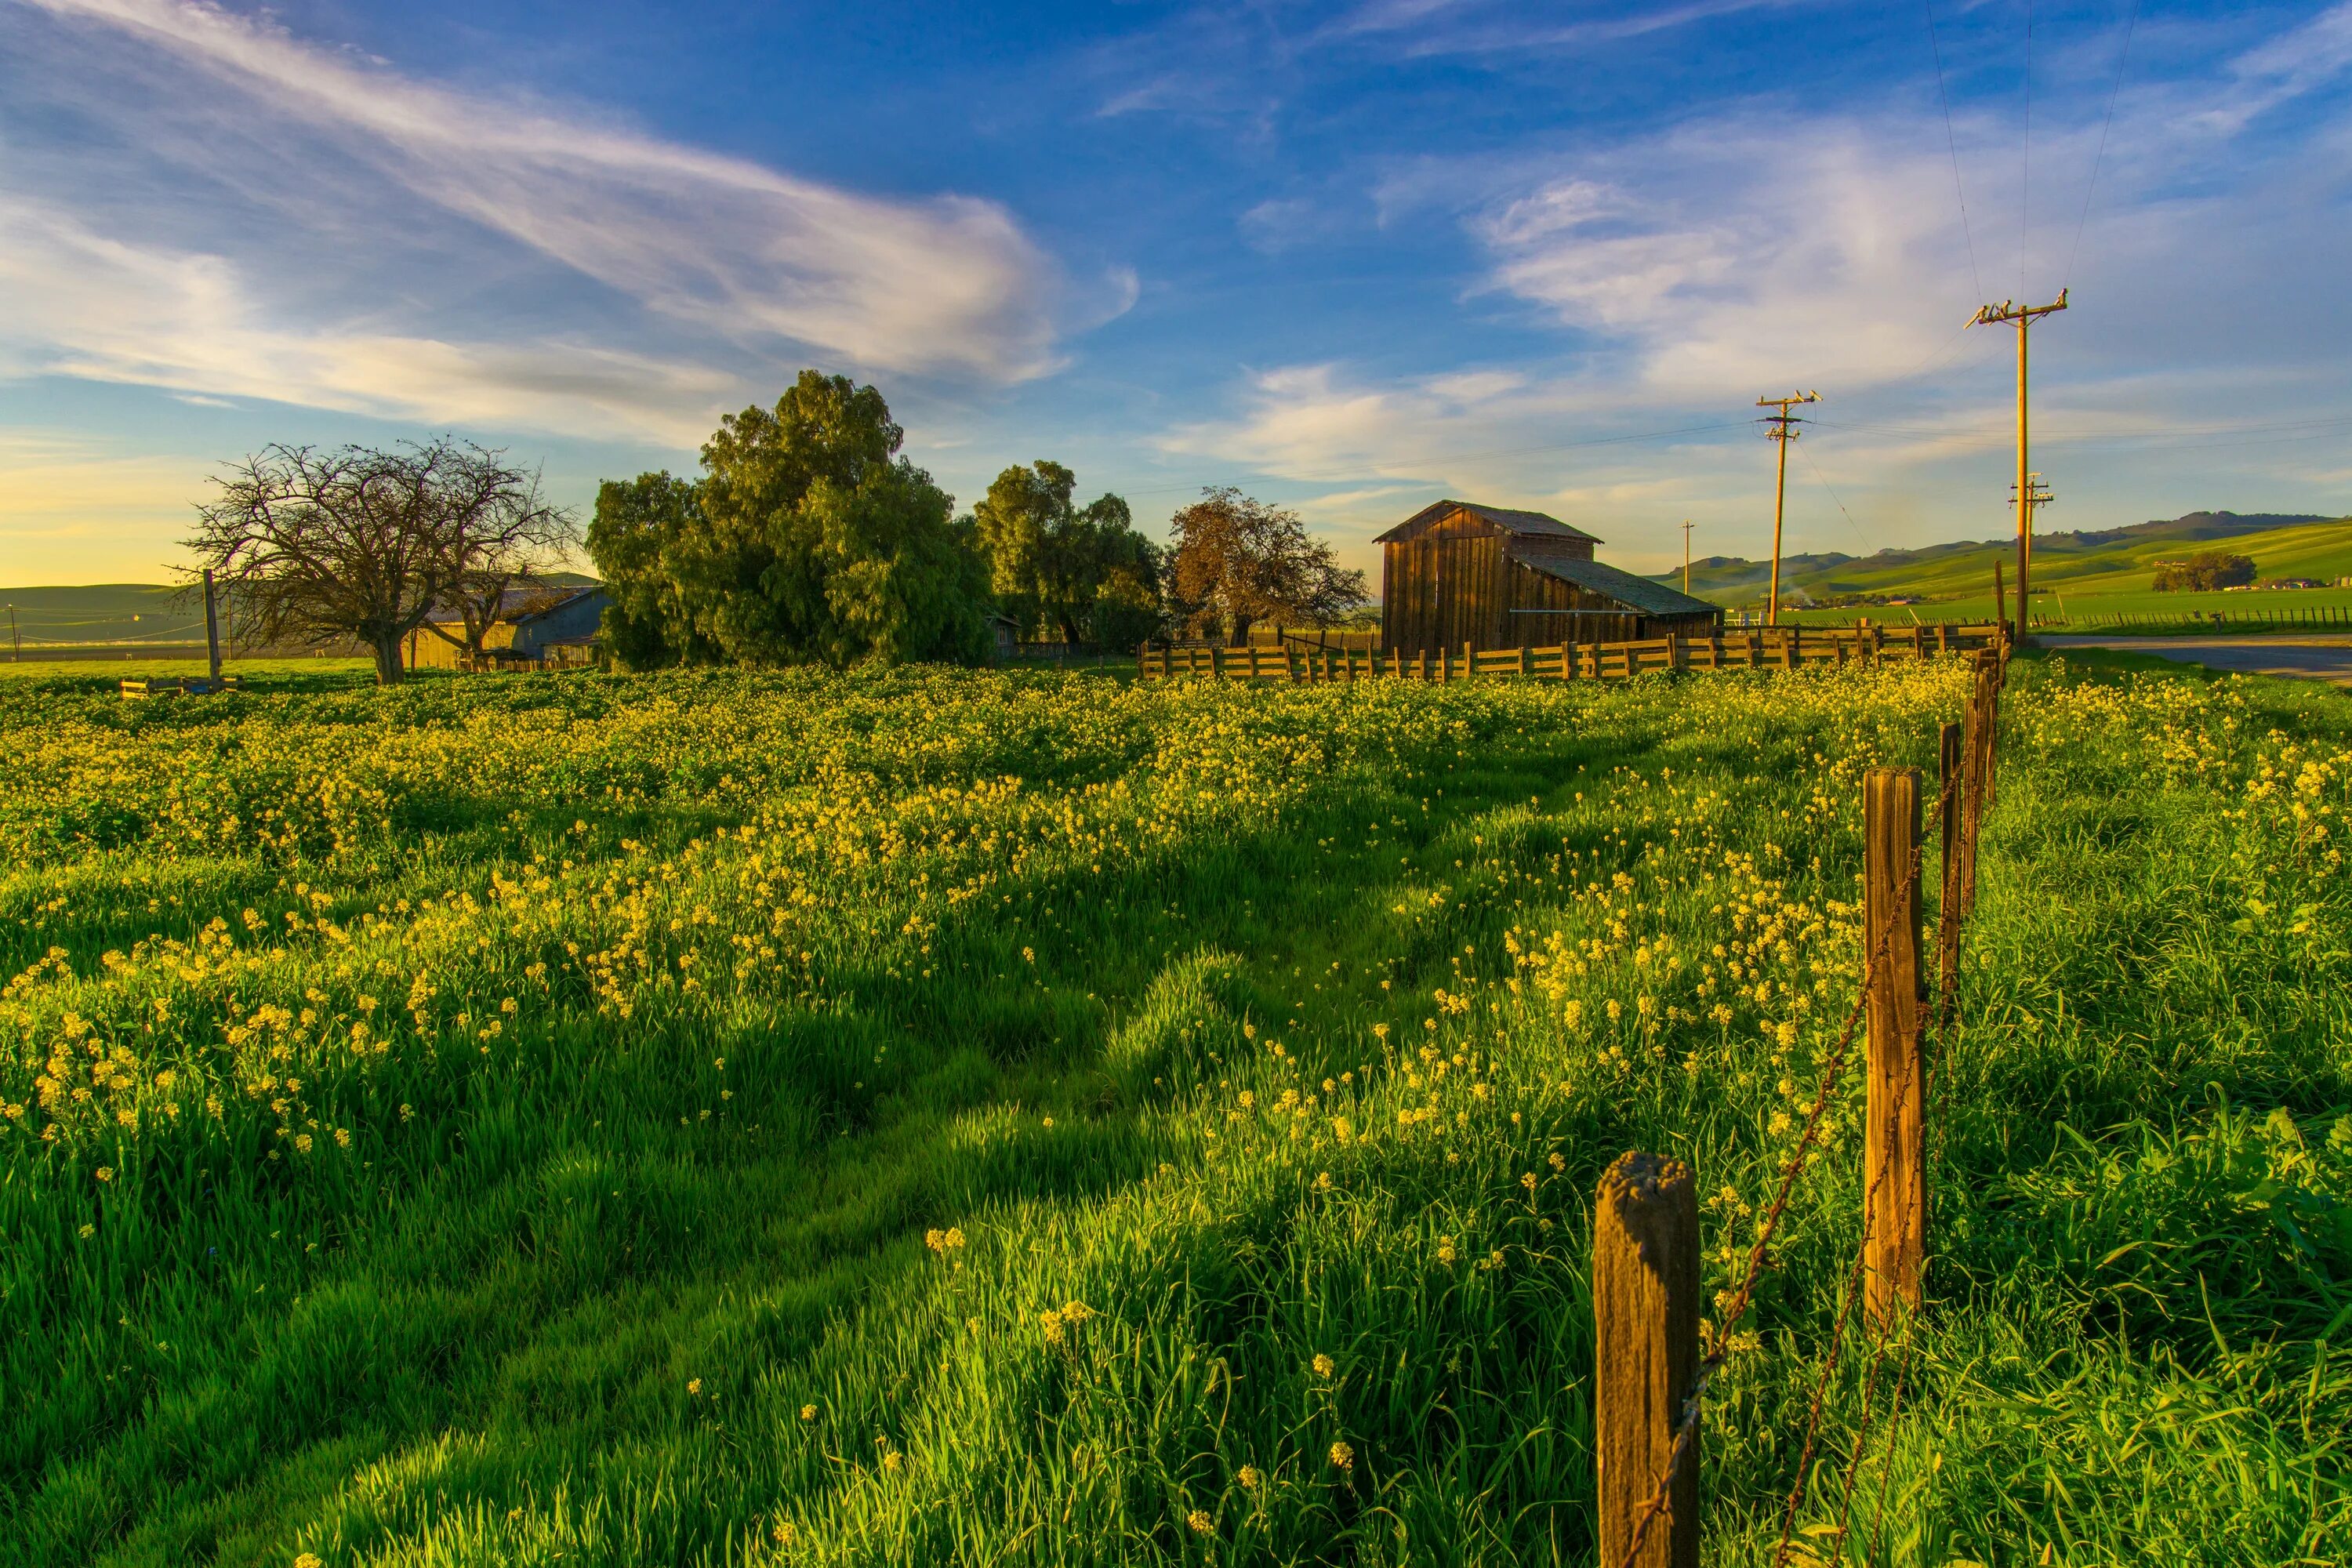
(536, 627)
(1456, 573)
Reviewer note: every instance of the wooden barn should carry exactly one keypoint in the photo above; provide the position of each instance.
(1457, 572)
(536, 627)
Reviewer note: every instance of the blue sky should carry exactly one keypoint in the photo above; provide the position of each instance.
(1350, 255)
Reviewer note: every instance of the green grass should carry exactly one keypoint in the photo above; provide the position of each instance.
(2097, 573)
(1082, 975)
(2282, 609)
(92, 675)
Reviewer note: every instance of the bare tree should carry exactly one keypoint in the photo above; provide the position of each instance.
(1237, 561)
(364, 544)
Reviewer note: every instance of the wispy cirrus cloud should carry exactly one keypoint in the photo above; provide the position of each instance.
(351, 215)
(81, 304)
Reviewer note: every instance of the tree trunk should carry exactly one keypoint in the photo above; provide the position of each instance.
(388, 670)
(1242, 630)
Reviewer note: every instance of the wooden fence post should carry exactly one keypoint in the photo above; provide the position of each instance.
(1645, 1310)
(1469, 660)
(1951, 773)
(1894, 1168)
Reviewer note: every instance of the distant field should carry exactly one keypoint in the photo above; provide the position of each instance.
(105, 613)
(2076, 604)
(2120, 571)
(130, 613)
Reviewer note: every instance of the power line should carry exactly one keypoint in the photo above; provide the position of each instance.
(1944, 96)
(2113, 92)
(1833, 496)
(2096, 440)
(2025, 156)
(1436, 458)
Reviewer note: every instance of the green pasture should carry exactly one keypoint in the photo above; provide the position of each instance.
(2100, 572)
(933, 1117)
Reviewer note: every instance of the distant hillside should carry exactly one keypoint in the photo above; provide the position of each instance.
(2110, 559)
(122, 612)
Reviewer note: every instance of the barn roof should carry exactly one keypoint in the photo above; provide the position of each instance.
(1649, 599)
(524, 602)
(1519, 524)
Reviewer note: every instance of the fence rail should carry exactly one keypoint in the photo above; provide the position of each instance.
(1785, 648)
(2294, 618)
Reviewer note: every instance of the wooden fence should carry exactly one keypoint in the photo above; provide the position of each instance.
(2292, 618)
(1651, 1379)
(1785, 648)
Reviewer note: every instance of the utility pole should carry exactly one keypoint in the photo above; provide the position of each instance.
(15, 648)
(1783, 429)
(2037, 495)
(1686, 528)
(2023, 317)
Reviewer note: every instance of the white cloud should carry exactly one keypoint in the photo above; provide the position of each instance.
(744, 266)
(1758, 249)
(79, 304)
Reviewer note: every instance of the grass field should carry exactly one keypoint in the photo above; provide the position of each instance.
(930, 1118)
(2098, 573)
(2186, 610)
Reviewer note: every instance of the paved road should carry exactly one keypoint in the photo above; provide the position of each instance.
(2312, 658)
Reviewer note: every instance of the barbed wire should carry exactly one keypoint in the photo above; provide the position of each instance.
(1686, 1424)
(1712, 1364)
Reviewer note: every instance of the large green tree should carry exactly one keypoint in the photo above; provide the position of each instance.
(807, 538)
(1082, 572)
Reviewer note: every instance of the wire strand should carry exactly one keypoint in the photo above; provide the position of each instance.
(1944, 96)
(2122, 59)
(2025, 158)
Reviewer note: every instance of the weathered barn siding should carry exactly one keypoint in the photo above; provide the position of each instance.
(535, 624)
(1457, 572)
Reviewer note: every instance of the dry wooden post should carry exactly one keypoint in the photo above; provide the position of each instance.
(1895, 1176)
(1992, 703)
(1469, 660)
(1952, 778)
(1645, 1309)
(1523, 658)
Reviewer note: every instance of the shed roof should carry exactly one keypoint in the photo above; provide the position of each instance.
(524, 602)
(1649, 599)
(1519, 524)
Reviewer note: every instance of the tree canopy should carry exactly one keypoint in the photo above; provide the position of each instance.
(1082, 572)
(807, 539)
(2204, 571)
(1237, 561)
(363, 543)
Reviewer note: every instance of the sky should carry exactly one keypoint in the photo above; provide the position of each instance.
(1350, 255)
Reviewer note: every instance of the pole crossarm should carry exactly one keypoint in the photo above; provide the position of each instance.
(1781, 426)
(2011, 311)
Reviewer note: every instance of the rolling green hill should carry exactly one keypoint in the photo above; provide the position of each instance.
(120, 613)
(2116, 562)
(105, 613)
